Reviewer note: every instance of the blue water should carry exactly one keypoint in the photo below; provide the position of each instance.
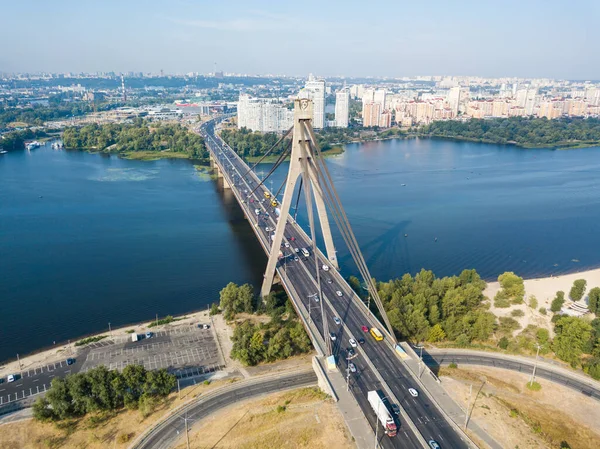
(119, 241)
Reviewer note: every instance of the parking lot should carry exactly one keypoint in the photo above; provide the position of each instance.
(183, 351)
(180, 351)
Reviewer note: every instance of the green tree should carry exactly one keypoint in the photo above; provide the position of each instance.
(533, 302)
(228, 300)
(42, 410)
(594, 300)
(578, 289)
(513, 286)
(436, 333)
(557, 302)
(571, 335)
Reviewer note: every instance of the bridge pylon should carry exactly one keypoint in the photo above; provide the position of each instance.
(302, 164)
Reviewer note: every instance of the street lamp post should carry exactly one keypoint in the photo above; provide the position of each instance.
(348, 370)
(535, 365)
(109, 330)
(420, 360)
(310, 297)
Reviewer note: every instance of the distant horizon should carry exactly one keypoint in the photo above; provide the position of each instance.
(532, 39)
(136, 73)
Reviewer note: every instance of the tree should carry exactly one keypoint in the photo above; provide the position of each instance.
(436, 333)
(571, 335)
(245, 298)
(594, 300)
(42, 411)
(228, 296)
(557, 302)
(533, 302)
(214, 309)
(513, 286)
(578, 289)
(503, 343)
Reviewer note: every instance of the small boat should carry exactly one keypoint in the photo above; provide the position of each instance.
(3, 151)
(403, 185)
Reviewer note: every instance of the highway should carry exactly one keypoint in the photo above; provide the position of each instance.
(447, 356)
(167, 432)
(376, 361)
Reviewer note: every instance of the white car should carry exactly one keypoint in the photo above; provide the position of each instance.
(339, 293)
(336, 320)
(287, 245)
(325, 267)
(352, 342)
(297, 250)
(352, 367)
(11, 378)
(332, 336)
(296, 258)
(414, 393)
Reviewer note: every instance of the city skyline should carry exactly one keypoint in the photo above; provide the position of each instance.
(463, 38)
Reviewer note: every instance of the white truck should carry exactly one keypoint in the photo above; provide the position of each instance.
(382, 412)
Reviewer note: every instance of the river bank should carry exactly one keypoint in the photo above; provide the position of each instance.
(565, 145)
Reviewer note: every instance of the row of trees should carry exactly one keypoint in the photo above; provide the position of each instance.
(283, 336)
(527, 132)
(138, 136)
(102, 390)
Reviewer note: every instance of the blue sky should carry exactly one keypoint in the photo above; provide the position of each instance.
(528, 38)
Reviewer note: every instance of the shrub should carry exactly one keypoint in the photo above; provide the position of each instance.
(513, 413)
(503, 343)
(543, 310)
(206, 382)
(453, 365)
(533, 302)
(534, 386)
(508, 324)
(463, 340)
(129, 331)
(517, 312)
(501, 300)
(281, 408)
(214, 309)
(124, 438)
(88, 340)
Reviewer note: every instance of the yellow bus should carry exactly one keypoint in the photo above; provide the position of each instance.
(267, 195)
(376, 334)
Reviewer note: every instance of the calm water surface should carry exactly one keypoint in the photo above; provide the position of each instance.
(87, 239)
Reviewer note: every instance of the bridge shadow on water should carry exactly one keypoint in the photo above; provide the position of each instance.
(252, 253)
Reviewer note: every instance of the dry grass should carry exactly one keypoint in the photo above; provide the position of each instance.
(309, 420)
(518, 417)
(98, 431)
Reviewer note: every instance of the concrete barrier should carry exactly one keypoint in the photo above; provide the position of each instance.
(323, 380)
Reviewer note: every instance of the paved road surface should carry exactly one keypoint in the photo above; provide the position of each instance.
(165, 434)
(302, 273)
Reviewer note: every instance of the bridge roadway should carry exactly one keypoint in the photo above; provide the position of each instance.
(301, 273)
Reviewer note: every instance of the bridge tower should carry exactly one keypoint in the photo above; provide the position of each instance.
(302, 164)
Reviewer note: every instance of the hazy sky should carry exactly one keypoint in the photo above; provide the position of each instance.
(529, 38)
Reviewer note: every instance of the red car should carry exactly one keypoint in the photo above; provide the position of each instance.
(364, 328)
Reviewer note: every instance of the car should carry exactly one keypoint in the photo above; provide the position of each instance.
(287, 245)
(293, 239)
(336, 320)
(149, 334)
(70, 361)
(352, 367)
(329, 281)
(296, 258)
(204, 326)
(364, 328)
(332, 336)
(433, 444)
(11, 378)
(339, 293)
(325, 267)
(395, 409)
(414, 393)
(352, 342)
(361, 341)
(350, 352)
(316, 298)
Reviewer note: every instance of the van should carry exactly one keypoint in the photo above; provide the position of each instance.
(305, 252)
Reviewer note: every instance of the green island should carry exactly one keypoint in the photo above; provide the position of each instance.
(575, 132)
(140, 140)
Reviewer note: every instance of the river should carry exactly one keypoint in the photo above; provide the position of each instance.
(88, 239)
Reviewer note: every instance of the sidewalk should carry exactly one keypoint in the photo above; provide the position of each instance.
(351, 411)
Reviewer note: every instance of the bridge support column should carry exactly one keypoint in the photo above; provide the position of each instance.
(302, 163)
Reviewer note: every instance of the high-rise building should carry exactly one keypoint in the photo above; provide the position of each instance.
(454, 100)
(371, 113)
(264, 115)
(315, 90)
(342, 108)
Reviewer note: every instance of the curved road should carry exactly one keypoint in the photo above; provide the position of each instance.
(167, 432)
(435, 359)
